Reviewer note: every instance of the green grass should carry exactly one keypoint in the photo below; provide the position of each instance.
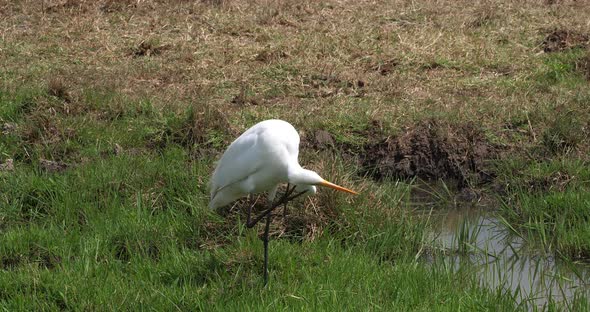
(320, 276)
(548, 204)
(129, 231)
(132, 231)
(125, 224)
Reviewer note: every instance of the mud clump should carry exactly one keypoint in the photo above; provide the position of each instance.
(432, 150)
(561, 40)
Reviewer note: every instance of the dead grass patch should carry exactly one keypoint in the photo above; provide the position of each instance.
(303, 61)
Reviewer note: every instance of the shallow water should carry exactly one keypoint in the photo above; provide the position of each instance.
(473, 237)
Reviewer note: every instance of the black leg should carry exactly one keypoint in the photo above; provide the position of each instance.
(249, 212)
(288, 196)
(285, 204)
(265, 241)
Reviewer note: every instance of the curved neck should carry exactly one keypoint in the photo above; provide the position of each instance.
(298, 175)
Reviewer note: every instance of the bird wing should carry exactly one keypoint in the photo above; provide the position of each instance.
(240, 160)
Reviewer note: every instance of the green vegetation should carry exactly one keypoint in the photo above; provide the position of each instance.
(132, 230)
(112, 114)
(548, 204)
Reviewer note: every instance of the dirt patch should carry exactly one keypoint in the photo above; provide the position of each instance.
(561, 40)
(432, 150)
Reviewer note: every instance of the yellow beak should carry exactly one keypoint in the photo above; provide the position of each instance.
(337, 187)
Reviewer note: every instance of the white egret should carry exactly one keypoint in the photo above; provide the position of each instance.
(259, 160)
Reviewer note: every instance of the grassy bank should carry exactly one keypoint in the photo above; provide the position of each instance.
(112, 114)
(130, 228)
(547, 205)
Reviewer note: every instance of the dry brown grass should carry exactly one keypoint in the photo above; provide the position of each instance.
(306, 61)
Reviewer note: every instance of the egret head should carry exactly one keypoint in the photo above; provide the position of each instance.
(304, 177)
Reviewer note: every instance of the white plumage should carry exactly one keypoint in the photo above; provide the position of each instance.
(260, 159)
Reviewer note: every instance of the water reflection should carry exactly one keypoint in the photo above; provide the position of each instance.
(475, 237)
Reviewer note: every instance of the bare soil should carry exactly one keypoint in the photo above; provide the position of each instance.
(432, 150)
